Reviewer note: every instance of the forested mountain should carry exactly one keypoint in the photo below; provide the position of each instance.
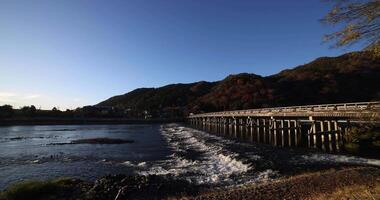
(168, 100)
(347, 78)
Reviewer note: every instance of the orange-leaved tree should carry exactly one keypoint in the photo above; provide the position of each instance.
(360, 20)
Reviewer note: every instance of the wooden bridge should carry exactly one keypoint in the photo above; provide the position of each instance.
(315, 126)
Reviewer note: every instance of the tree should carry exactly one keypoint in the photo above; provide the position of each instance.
(32, 110)
(25, 110)
(29, 111)
(6, 111)
(361, 23)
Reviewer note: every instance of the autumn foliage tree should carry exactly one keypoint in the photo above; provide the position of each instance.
(361, 23)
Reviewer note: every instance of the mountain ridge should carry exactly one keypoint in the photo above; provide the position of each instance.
(349, 77)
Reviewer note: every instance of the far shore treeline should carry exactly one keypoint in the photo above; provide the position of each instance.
(30, 115)
(7, 112)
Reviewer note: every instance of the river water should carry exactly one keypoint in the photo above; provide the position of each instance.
(28, 152)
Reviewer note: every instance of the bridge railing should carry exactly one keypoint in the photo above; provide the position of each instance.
(357, 106)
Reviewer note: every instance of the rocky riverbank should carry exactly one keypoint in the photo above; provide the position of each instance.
(116, 187)
(351, 183)
(362, 182)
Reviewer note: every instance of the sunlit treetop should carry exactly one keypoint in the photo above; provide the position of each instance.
(361, 23)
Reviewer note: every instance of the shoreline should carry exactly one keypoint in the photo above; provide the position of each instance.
(352, 182)
(87, 121)
(347, 183)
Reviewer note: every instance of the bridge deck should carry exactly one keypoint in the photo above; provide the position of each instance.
(342, 110)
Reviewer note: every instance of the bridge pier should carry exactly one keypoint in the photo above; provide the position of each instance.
(337, 135)
(275, 137)
(322, 128)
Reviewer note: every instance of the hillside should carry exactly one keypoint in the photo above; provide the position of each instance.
(171, 99)
(347, 78)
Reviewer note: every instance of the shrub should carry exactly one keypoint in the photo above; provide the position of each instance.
(362, 138)
(44, 190)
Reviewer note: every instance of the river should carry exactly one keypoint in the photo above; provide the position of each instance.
(29, 152)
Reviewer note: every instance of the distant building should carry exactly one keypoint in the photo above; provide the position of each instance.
(147, 115)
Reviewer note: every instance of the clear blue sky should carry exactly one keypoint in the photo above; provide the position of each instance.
(72, 53)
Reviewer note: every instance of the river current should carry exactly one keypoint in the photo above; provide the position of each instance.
(30, 152)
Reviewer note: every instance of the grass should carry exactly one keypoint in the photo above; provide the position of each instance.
(43, 190)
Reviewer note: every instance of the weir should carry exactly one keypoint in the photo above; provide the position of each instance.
(313, 126)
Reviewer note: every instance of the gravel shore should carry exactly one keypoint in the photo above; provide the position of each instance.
(349, 183)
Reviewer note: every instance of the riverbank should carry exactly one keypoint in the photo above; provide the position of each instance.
(82, 121)
(348, 183)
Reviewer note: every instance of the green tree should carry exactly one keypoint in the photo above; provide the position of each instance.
(25, 110)
(29, 111)
(6, 111)
(360, 20)
(32, 110)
